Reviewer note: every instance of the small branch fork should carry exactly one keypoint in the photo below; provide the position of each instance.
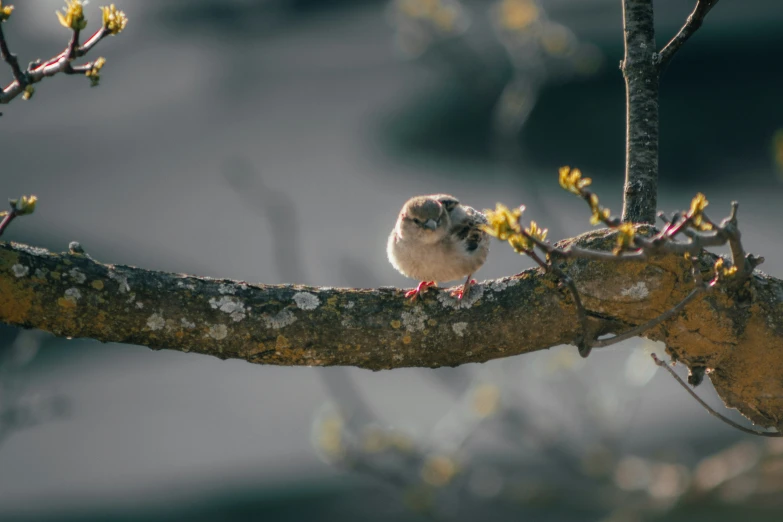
(642, 66)
(37, 71)
(698, 228)
(707, 407)
(692, 24)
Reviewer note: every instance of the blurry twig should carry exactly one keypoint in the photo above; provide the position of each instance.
(279, 211)
(709, 409)
(540, 51)
(16, 411)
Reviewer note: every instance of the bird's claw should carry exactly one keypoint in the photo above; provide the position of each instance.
(413, 294)
(463, 292)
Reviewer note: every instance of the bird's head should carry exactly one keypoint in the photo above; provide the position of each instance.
(424, 218)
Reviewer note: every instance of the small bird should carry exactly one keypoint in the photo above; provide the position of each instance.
(437, 239)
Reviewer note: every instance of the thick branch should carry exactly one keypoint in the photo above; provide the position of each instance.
(75, 296)
(641, 97)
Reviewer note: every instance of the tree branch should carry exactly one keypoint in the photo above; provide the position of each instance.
(7, 218)
(58, 64)
(639, 330)
(582, 341)
(75, 296)
(11, 59)
(692, 24)
(641, 97)
(72, 295)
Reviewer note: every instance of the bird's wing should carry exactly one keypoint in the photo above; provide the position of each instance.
(448, 202)
(466, 228)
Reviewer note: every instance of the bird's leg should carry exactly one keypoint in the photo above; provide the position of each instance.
(413, 294)
(463, 292)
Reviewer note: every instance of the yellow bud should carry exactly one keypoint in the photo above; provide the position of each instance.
(698, 204)
(721, 271)
(24, 205)
(114, 20)
(599, 214)
(536, 232)
(520, 243)
(625, 236)
(502, 222)
(94, 72)
(572, 181)
(5, 11)
(72, 16)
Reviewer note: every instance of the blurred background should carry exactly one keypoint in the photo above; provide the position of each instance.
(275, 141)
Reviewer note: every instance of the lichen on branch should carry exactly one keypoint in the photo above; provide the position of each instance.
(504, 224)
(72, 295)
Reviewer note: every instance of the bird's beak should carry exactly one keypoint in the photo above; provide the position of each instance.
(430, 224)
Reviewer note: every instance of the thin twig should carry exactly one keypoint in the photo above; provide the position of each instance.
(582, 344)
(70, 51)
(692, 25)
(7, 220)
(735, 243)
(661, 243)
(574, 252)
(79, 69)
(60, 63)
(707, 407)
(73, 45)
(79, 51)
(633, 332)
(11, 59)
(676, 227)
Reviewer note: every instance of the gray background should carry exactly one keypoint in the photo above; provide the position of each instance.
(207, 108)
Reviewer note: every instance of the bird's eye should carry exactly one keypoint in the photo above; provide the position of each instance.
(417, 221)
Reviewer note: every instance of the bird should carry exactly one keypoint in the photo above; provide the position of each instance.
(437, 239)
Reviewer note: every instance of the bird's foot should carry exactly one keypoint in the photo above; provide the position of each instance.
(463, 292)
(413, 294)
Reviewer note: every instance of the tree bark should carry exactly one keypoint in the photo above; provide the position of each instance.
(738, 340)
(641, 73)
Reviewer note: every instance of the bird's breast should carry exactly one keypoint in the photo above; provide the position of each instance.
(443, 261)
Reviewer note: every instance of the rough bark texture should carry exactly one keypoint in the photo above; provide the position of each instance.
(739, 339)
(641, 73)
